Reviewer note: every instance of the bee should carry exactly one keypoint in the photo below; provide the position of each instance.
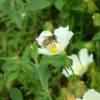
(49, 40)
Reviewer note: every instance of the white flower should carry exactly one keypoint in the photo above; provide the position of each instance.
(90, 95)
(62, 34)
(80, 64)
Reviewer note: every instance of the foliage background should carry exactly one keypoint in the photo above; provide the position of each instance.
(18, 32)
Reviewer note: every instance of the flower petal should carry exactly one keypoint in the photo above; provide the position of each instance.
(43, 51)
(61, 30)
(78, 99)
(91, 95)
(63, 35)
(43, 36)
(84, 57)
(75, 60)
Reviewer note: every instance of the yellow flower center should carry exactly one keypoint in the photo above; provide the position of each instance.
(80, 69)
(53, 48)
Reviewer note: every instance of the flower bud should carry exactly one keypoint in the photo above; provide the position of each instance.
(48, 26)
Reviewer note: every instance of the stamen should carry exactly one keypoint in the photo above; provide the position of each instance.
(79, 68)
(53, 48)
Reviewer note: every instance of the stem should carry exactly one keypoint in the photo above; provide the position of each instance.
(4, 46)
(9, 58)
(41, 80)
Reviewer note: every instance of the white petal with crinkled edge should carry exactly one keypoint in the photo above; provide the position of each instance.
(75, 60)
(78, 99)
(63, 35)
(61, 30)
(43, 36)
(85, 58)
(43, 51)
(90, 95)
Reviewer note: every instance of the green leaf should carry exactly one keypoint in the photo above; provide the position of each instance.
(59, 4)
(39, 78)
(10, 77)
(93, 75)
(58, 60)
(31, 51)
(2, 1)
(68, 62)
(26, 52)
(34, 51)
(38, 5)
(79, 7)
(26, 64)
(15, 40)
(78, 45)
(1, 82)
(55, 61)
(12, 13)
(16, 18)
(96, 37)
(13, 66)
(45, 60)
(15, 94)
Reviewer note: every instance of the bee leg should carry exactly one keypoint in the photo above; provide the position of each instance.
(55, 39)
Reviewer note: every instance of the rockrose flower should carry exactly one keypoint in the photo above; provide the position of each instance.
(80, 63)
(53, 44)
